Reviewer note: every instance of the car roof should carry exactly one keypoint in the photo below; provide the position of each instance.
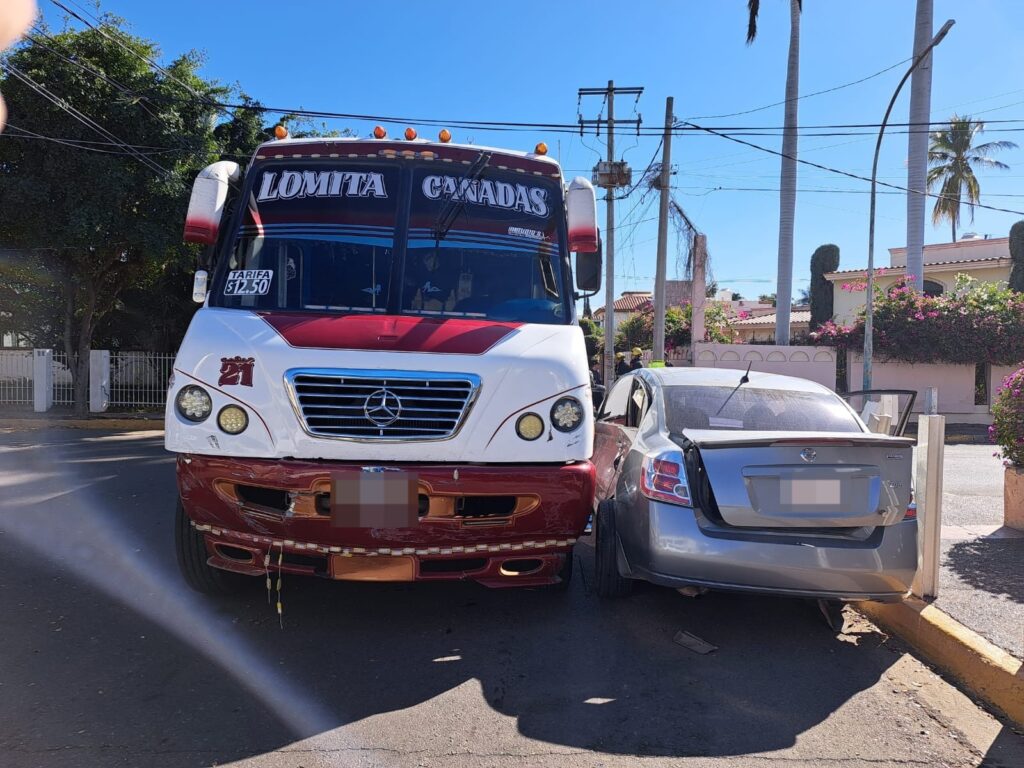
(728, 377)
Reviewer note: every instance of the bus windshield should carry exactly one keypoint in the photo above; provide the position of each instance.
(330, 238)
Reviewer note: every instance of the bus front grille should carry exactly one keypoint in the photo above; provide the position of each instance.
(377, 405)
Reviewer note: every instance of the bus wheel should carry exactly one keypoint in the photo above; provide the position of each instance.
(192, 556)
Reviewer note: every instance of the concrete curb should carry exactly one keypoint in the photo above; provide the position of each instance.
(123, 425)
(985, 670)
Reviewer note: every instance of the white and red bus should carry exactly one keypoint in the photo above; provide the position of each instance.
(386, 380)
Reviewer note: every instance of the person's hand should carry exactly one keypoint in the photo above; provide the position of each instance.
(15, 17)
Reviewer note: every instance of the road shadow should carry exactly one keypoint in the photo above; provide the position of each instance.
(990, 564)
(113, 657)
(1005, 751)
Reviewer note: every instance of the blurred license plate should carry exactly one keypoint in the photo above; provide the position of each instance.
(374, 499)
(803, 492)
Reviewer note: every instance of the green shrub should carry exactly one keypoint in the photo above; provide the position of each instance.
(976, 322)
(1007, 429)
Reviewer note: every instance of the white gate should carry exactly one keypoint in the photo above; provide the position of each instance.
(16, 377)
(139, 379)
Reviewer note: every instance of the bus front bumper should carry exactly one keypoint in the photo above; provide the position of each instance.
(501, 525)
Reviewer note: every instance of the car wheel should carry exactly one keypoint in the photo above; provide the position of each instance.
(192, 556)
(610, 583)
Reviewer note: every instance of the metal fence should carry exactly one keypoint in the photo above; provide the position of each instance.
(16, 377)
(63, 379)
(139, 379)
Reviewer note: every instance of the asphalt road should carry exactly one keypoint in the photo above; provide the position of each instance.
(107, 659)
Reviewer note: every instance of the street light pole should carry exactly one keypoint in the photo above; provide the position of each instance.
(870, 298)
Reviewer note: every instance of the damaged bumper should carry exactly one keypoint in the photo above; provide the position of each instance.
(499, 525)
(678, 550)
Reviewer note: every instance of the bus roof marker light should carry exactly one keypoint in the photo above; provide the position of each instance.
(410, 134)
(444, 135)
(379, 132)
(541, 148)
(280, 132)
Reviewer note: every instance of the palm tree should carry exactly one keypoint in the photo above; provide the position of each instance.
(952, 155)
(787, 180)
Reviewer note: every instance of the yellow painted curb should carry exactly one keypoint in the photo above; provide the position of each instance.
(117, 424)
(985, 670)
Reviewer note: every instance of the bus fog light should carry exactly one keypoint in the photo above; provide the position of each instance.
(232, 419)
(566, 414)
(530, 426)
(194, 403)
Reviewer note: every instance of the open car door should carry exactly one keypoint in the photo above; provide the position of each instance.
(885, 411)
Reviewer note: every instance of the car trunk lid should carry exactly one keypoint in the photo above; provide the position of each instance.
(804, 479)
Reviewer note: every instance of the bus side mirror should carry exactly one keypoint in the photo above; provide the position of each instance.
(588, 270)
(206, 205)
(581, 216)
(199, 284)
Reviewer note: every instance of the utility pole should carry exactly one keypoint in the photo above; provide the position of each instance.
(658, 356)
(610, 175)
(917, 144)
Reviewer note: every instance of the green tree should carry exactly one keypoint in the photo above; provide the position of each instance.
(637, 330)
(93, 228)
(767, 298)
(953, 156)
(824, 259)
(787, 177)
(593, 337)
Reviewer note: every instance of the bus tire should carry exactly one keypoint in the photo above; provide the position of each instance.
(190, 546)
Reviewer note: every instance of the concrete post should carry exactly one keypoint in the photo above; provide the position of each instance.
(42, 380)
(931, 439)
(99, 380)
(698, 287)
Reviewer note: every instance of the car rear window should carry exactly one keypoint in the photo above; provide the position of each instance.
(759, 410)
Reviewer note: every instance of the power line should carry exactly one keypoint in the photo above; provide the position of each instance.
(169, 75)
(805, 96)
(730, 137)
(82, 118)
(84, 145)
(812, 190)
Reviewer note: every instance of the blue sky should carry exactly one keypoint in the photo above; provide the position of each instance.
(524, 61)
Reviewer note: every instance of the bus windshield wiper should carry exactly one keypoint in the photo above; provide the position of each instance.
(452, 207)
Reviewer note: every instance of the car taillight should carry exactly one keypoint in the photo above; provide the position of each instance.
(911, 508)
(663, 478)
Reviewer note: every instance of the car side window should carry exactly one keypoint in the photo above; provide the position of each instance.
(616, 402)
(638, 402)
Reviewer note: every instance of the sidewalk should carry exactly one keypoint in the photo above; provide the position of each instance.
(19, 419)
(982, 579)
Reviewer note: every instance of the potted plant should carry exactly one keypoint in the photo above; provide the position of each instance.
(1007, 431)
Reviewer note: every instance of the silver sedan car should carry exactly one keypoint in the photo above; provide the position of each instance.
(713, 478)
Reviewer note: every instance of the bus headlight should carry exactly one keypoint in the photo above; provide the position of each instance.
(530, 426)
(194, 403)
(232, 420)
(566, 414)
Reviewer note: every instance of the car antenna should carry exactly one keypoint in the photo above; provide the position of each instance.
(744, 379)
